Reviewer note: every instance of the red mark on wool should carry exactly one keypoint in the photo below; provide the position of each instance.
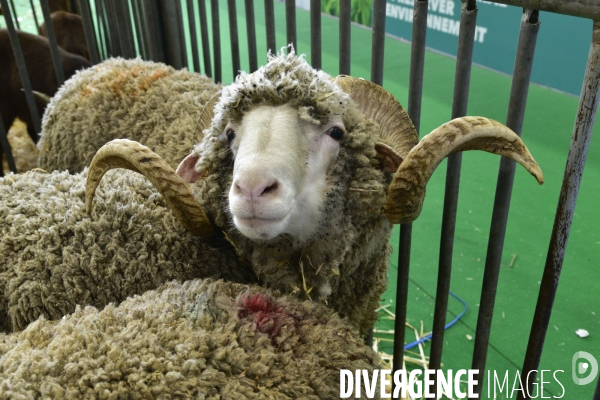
(261, 309)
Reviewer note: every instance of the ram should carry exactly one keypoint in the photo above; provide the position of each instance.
(36, 51)
(144, 101)
(298, 176)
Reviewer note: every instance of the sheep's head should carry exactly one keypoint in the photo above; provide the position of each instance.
(283, 129)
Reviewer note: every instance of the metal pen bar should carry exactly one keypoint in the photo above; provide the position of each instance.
(315, 34)
(251, 34)
(204, 34)
(14, 12)
(582, 132)
(516, 111)
(233, 35)
(270, 25)
(290, 23)
(345, 35)
(417, 62)
(577, 8)
(181, 32)
(58, 68)
(109, 14)
(193, 35)
(415, 92)
(401, 296)
(462, 79)
(88, 29)
(6, 148)
(22, 68)
(34, 14)
(378, 41)
(171, 35)
(153, 28)
(103, 29)
(125, 29)
(216, 36)
(140, 29)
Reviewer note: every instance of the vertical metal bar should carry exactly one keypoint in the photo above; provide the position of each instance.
(58, 69)
(6, 149)
(233, 35)
(582, 132)
(22, 68)
(34, 13)
(315, 34)
(345, 34)
(216, 36)
(417, 61)
(251, 33)
(378, 42)
(516, 111)
(270, 25)
(168, 15)
(139, 29)
(14, 12)
(88, 28)
(193, 35)
(415, 93)
(290, 23)
(401, 295)
(153, 28)
(597, 391)
(181, 32)
(113, 29)
(462, 77)
(125, 28)
(103, 29)
(204, 34)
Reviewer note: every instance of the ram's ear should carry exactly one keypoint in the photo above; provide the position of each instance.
(186, 169)
(389, 160)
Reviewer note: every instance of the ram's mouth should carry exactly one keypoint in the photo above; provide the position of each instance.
(261, 228)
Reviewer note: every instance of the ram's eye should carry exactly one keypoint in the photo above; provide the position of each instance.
(230, 135)
(335, 132)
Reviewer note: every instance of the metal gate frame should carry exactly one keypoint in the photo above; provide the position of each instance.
(159, 25)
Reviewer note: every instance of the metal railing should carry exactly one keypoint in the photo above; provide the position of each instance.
(156, 30)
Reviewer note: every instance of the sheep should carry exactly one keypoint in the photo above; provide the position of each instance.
(68, 28)
(144, 101)
(200, 339)
(54, 256)
(36, 51)
(347, 139)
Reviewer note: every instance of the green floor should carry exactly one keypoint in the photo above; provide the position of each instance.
(547, 131)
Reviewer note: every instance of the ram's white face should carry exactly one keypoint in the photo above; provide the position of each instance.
(279, 173)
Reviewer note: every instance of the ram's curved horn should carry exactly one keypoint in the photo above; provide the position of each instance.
(379, 105)
(407, 191)
(207, 114)
(123, 153)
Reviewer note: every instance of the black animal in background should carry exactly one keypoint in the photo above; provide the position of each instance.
(68, 28)
(36, 51)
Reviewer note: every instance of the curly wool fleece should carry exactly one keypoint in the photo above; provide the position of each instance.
(55, 256)
(344, 263)
(144, 101)
(203, 339)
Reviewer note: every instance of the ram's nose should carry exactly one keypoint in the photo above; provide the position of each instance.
(255, 188)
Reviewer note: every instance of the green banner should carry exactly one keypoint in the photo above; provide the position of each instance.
(561, 51)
